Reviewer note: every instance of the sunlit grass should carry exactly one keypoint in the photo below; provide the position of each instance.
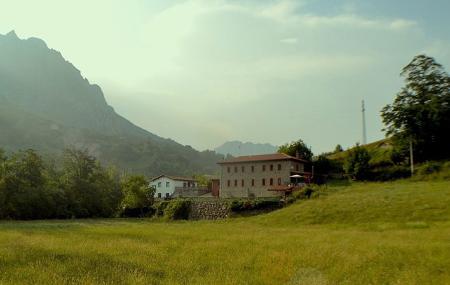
(377, 233)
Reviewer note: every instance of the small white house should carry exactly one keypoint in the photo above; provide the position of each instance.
(165, 185)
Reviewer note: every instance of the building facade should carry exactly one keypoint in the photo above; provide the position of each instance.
(165, 185)
(257, 175)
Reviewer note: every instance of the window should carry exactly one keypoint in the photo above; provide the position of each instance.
(296, 167)
(271, 167)
(279, 166)
(184, 184)
(235, 169)
(159, 184)
(242, 182)
(235, 183)
(243, 169)
(167, 184)
(253, 168)
(271, 181)
(228, 169)
(159, 195)
(263, 182)
(229, 183)
(253, 182)
(279, 181)
(167, 195)
(264, 167)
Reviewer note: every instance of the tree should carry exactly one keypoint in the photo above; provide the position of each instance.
(322, 165)
(23, 187)
(297, 147)
(356, 164)
(91, 190)
(338, 148)
(202, 180)
(137, 194)
(421, 111)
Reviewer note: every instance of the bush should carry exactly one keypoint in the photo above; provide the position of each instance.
(429, 168)
(177, 210)
(390, 173)
(257, 204)
(137, 212)
(304, 193)
(356, 164)
(160, 208)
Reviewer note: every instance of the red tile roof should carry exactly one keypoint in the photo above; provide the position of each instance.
(176, 178)
(263, 157)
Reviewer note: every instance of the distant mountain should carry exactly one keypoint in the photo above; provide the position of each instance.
(238, 148)
(47, 105)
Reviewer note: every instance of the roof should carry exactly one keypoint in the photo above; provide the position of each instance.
(263, 157)
(176, 178)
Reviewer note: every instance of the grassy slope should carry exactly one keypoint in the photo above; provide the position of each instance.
(390, 233)
(380, 151)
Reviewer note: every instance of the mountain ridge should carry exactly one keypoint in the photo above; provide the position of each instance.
(46, 104)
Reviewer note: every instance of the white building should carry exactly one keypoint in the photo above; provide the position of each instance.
(165, 185)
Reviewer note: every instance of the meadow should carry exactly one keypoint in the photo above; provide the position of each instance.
(364, 233)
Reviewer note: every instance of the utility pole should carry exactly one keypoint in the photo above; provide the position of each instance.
(411, 156)
(364, 136)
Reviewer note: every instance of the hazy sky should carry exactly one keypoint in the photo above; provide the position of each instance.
(204, 72)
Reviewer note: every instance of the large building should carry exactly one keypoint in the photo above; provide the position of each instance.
(259, 175)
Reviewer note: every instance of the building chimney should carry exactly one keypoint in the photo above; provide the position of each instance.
(297, 154)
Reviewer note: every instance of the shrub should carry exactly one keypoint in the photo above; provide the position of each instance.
(160, 208)
(390, 173)
(429, 168)
(356, 165)
(266, 204)
(137, 212)
(177, 209)
(257, 204)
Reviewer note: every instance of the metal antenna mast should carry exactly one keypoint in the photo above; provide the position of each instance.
(364, 136)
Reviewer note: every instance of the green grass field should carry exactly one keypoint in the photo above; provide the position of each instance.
(376, 233)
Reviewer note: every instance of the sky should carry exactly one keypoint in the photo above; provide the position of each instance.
(207, 72)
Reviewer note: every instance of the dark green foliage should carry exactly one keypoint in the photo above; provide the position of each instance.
(31, 189)
(297, 147)
(356, 165)
(23, 187)
(138, 196)
(255, 204)
(160, 207)
(177, 209)
(429, 168)
(391, 172)
(304, 193)
(91, 190)
(433, 170)
(338, 149)
(421, 111)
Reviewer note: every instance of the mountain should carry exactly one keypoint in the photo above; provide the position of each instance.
(47, 105)
(237, 148)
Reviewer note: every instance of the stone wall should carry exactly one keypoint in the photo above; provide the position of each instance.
(209, 210)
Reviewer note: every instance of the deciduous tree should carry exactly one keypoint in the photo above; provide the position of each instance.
(421, 111)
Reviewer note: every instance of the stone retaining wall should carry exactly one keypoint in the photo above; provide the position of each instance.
(209, 210)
